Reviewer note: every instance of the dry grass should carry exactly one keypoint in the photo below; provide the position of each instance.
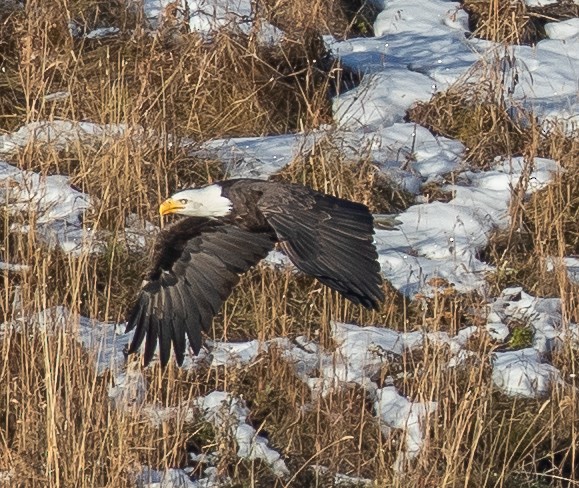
(477, 116)
(340, 18)
(509, 22)
(165, 82)
(515, 22)
(326, 169)
(57, 425)
(544, 225)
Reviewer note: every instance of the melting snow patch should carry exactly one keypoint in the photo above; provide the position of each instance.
(543, 79)
(129, 389)
(221, 409)
(60, 134)
(542, 315)
(442, 239)
(208, 16)
(14, 268)
(571, 264)
(424, 42)
(342, 479)
(258, 157)
(539, 3)
(407, 153)
(521, 373)
(138, 233)
(103, 32)
(178, 478)
(235, 353)
(381, 99)
(52, 204)
(107, 341)
(421, 48)
(397, 412)
(565, 29)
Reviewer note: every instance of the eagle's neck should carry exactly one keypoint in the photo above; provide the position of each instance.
(207, 201)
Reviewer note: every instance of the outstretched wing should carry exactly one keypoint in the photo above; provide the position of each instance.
(197, 263)
(329, 238)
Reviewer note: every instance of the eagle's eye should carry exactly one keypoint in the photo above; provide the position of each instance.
(183, 201)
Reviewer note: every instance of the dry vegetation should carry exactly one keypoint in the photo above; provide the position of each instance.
(515, 22)
(57, 426)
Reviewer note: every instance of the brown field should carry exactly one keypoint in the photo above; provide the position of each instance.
(57, 425)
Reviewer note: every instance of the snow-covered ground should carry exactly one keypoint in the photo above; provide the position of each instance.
(420, 48)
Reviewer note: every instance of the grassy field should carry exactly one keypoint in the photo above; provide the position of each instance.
(57, 426)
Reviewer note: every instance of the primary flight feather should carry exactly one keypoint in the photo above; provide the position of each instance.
(229, 227)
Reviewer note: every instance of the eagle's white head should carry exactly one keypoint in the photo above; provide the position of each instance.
(198, 202)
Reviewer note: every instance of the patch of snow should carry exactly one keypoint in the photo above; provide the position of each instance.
(49, 198)
(258, 157)
(542, 315)
(522, 373)
(342, 479)
(304, 356)
(14, 268)
(103, 32)
(564, 29)
(420, 49)
(50, 203)
(61, 95)
(539, 3)
(174, 478)
(139, 233)
(543, 79)
(106, 340)
(349, 481)
(221, 409)
(407, 153)
(361, 352)
(381, 99)
(129, 389)
(209, 16)
(424, 41)
(397, 412)
(157, 415)
(570, 263)
(224, 412)
(277, 259)
(235, 353)
(45, 321)
(59, 134)
(182, 478)
(442, 239)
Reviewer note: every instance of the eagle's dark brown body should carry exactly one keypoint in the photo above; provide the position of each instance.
(198, 260)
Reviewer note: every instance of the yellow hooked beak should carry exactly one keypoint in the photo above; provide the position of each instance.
(170, 206)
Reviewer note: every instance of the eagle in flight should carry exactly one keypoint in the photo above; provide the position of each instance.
(229, 227)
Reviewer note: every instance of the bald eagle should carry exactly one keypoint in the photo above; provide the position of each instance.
(229, 227)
